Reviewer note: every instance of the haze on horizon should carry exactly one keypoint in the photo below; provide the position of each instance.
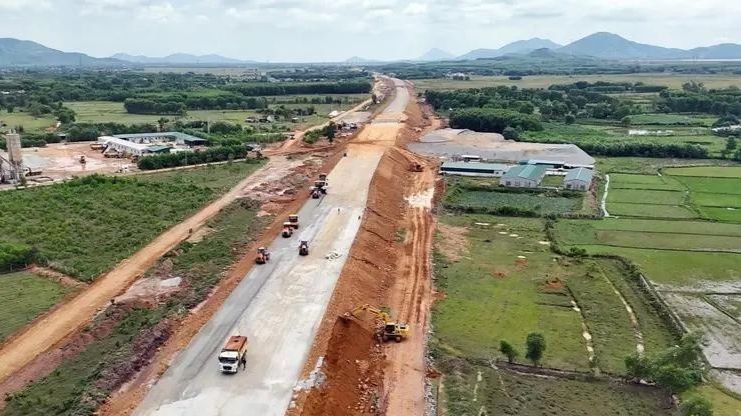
(320, 30)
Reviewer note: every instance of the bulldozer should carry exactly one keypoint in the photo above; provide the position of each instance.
(293, 220)
(263, 256)
(390, 330)
(287, 230)
(303, 248)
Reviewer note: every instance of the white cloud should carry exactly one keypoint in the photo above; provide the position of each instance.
(415, 9)
(18, 5)
(162, 12)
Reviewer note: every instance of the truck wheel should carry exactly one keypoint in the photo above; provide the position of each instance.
(398, 338)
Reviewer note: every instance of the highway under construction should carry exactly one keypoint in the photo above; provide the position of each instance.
(279, 305)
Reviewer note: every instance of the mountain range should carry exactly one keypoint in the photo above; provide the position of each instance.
(15, 52)
(179, 58)
(602, 45)
(518, 47)
(606, 45)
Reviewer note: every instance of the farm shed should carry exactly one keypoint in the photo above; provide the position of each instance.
(578, 179)
(474, 169)
(523, 176)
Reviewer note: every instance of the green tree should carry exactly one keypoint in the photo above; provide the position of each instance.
(731, 144)
(696, 406)
(626, 121)
(569, 118)
(330, 131)
(510, 134)
(508, 351)
(535, 344)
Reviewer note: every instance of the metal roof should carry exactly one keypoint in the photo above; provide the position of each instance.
(175, 134)
(157, 149)
(474, 165)
(579, 174)
(531, 172)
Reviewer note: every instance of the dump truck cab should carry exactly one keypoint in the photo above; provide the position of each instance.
(303, 248)
(287, 230)
(233, 354)
(293, 220)
(262, 255)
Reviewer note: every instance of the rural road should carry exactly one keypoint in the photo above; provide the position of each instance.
(280, 305)
(74, 314)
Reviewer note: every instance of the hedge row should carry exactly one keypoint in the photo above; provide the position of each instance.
(214, 154)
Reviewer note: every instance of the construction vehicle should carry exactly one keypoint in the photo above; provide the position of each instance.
(82, 159)
(303, 248)
(390, 329)
(233, 354)
(315, 193)
(287, 230)
(293, 219)
(263, 256)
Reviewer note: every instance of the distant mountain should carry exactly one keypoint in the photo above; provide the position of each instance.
(517, 47)
(722, 51)
(435, 54)
(611, 46)
(178, 58)
(15, 52)
(526, 46)
(360, 60)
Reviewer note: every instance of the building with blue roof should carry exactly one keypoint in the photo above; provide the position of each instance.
(579, 179)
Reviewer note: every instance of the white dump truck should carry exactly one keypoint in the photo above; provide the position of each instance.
(233, 354)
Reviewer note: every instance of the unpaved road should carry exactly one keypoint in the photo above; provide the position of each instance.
(279, 306)
(74, 314)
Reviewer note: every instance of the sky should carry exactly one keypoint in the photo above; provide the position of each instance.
(334, 30)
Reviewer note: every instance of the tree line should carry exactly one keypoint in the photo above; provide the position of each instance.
(213, 154)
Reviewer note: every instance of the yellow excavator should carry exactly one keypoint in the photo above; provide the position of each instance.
(390, 329)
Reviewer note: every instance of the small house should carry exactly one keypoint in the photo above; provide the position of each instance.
(473, 169)
(579, 179)
(523, 176)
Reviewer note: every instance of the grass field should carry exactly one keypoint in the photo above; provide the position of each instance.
(649, 211)
(650, 166)
(30, 123)
(481, 390)
(480, 308)
(597, 131)
(713, 185)
(110, 111)
(674, 237)
(83, 381)
(85, 226)
(673, 119)
(643, 196)
(707, 171)
(544, 81)
(23, 297)
(677, 267)
(721, 214)
(717, 200)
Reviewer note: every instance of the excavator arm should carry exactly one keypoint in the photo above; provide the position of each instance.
(381, 314)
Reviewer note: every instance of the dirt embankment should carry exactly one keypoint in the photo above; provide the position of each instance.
(388, 267)
(366, 278)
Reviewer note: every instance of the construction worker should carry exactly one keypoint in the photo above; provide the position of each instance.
(243, 362)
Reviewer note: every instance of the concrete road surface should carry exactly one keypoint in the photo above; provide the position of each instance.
(279, 305)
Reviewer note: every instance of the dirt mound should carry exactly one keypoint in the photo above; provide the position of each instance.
(353, 375)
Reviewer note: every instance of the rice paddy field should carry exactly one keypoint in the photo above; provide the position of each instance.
(693, 263)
